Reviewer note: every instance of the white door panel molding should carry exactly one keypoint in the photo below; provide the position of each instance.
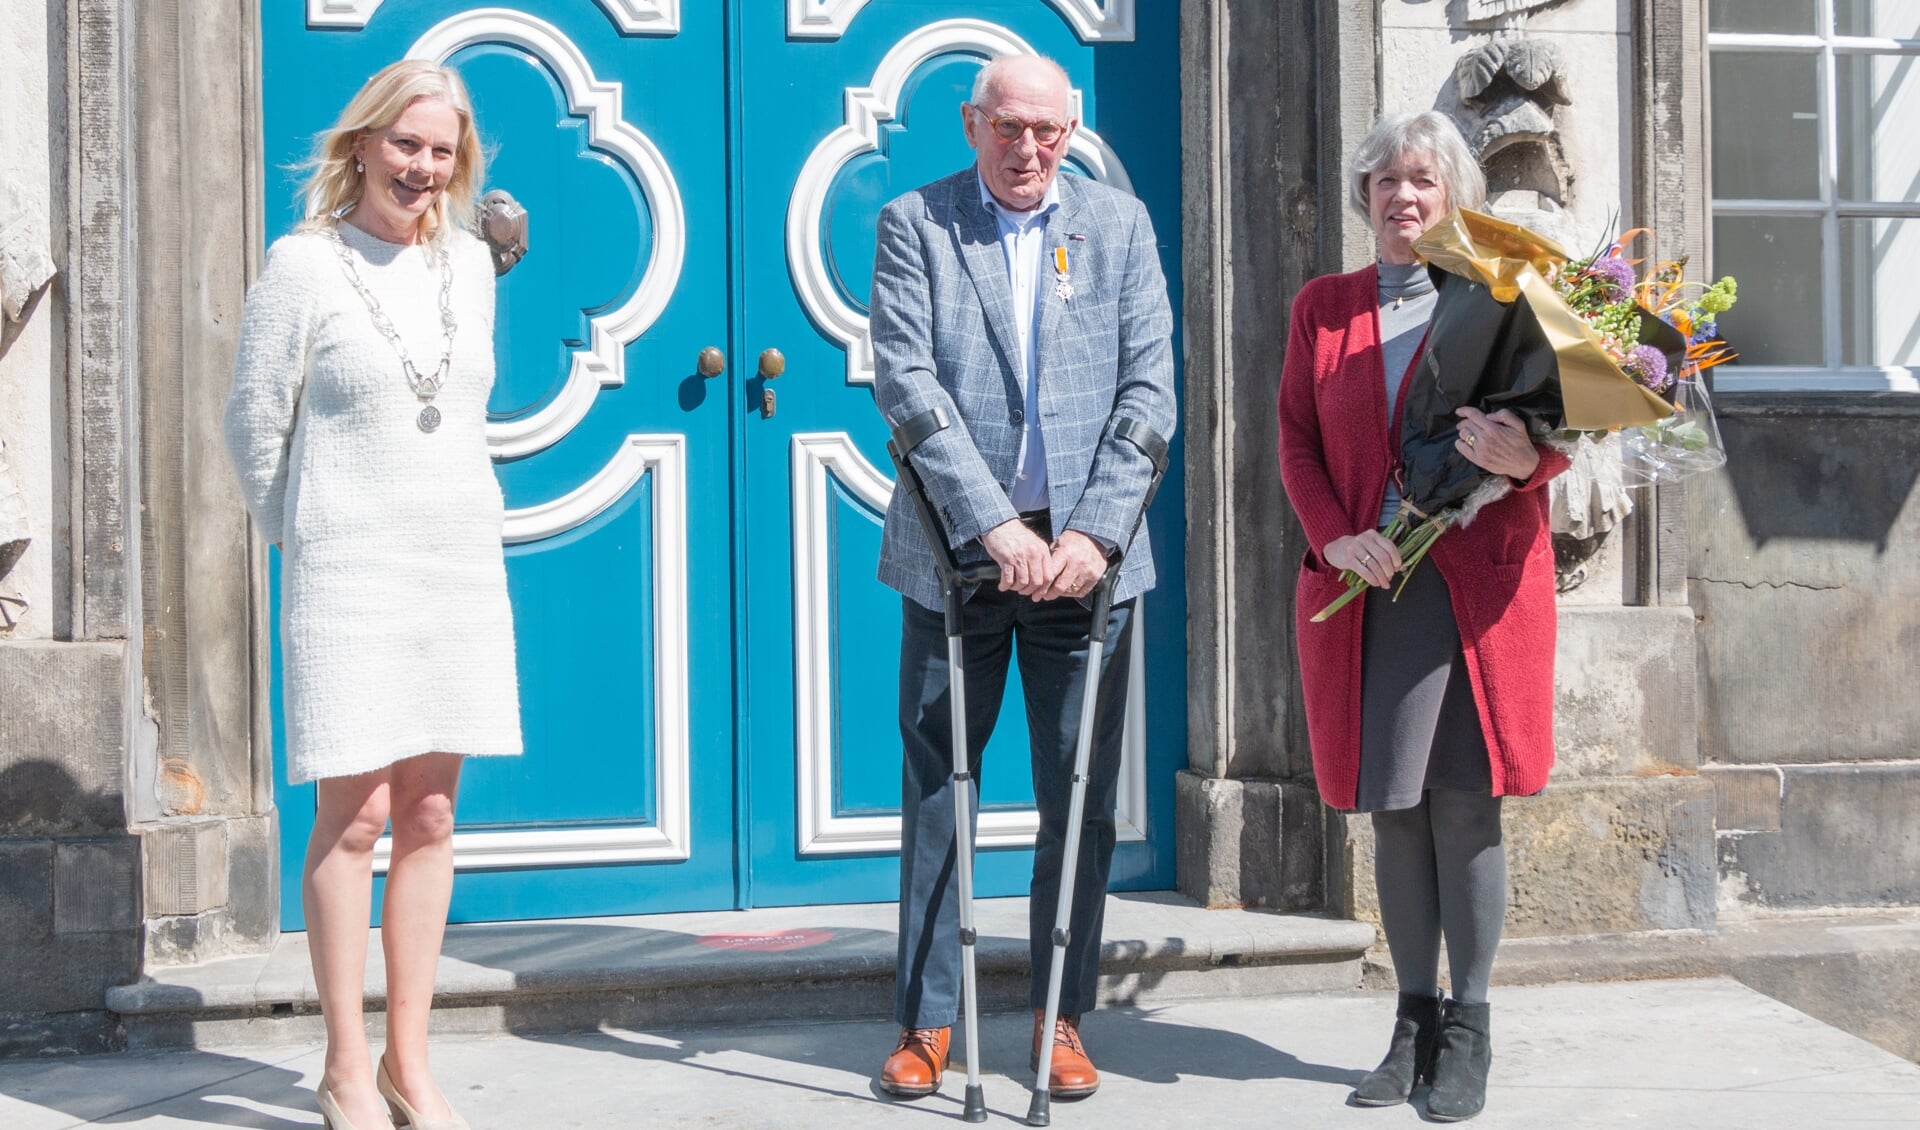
(817, 458)
(603, 363)
(1094, 21)
(644, 17)
(868, 108)
(669, 837)
(340, 13)
(821, 19)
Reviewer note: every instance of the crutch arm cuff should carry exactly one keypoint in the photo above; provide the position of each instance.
(1152, 444)
(916, 430)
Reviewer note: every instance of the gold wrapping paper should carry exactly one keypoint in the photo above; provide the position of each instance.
(1513, 262)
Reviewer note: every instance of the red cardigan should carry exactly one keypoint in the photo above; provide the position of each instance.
(1335, 455)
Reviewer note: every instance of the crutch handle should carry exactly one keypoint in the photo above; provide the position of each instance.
(905, 440)
(1153, 445)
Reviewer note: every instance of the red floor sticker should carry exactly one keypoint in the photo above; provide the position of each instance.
(778, 942)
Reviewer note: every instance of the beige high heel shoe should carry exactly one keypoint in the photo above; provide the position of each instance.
(403, 1112)
(330, 1114)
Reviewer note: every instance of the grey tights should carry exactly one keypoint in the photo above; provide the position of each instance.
(1441, 867)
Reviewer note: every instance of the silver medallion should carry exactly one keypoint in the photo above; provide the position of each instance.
(429, 418)
(1063, 290)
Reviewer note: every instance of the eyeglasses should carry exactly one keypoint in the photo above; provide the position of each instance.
(1045, 133)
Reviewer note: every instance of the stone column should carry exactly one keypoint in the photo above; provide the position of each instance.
(1264, 213)
(203, 784)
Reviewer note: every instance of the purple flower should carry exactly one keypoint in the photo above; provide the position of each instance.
(1648, 367)
(1615, 276)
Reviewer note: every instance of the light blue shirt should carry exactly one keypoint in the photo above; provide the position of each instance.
(1023, 237)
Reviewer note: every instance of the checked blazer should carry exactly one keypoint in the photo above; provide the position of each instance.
(944, 335)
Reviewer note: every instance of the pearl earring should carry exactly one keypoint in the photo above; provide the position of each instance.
(359, 167)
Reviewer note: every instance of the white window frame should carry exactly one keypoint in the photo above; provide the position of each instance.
(1832, 376)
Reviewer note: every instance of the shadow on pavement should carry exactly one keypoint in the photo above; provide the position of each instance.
(1135, 1043)
(200, 1086)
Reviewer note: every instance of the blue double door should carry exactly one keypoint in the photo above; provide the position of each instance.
(684, 430)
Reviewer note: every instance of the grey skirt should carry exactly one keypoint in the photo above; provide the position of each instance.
(1419, 727)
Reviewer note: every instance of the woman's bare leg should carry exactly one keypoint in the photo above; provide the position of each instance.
(414, 917)
(337, 891)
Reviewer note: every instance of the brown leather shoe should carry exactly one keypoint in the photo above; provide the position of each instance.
(916, 1064)
(1073, 1075)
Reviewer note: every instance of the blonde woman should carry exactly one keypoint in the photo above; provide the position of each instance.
(357, 427)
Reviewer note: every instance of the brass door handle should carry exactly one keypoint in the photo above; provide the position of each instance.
(712, 362)
(772, 363)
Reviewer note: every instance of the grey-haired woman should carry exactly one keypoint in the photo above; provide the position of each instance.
(1427, 710)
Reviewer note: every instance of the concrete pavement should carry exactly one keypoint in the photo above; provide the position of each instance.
(1703, 1053)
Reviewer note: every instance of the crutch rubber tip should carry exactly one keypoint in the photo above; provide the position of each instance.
(976, 1108)
(1038, 1114)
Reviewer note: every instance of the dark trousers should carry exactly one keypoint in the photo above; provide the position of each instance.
(1050, 641)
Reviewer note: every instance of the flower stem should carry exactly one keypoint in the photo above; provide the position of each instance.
(1413, 546)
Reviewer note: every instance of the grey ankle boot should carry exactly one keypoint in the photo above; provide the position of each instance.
(1410, 1056)
(1462, 1056)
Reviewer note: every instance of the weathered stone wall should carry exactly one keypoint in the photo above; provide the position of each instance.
(70, 902)
(1806, 582)
(69, 872)
(33, 406)
(135, 824)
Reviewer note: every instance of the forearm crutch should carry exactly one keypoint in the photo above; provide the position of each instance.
(954, 581)
(1154, 447)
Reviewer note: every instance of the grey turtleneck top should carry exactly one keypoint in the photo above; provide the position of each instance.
(1406, 303)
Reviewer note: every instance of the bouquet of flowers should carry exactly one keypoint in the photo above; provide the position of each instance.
(1688, 441)
(1568, 345)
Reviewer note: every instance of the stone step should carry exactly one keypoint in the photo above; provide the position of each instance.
(733, 967)
(1858, 971)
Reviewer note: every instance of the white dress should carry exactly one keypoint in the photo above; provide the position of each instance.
(396, 634)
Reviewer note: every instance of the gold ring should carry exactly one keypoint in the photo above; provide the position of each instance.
(1469, 438)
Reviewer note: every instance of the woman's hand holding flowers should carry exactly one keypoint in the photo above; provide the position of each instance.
(1369, 554)
(1498, 443)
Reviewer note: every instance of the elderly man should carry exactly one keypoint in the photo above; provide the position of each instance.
(1031, 308)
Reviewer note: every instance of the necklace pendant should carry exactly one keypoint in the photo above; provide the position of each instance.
(429, 419)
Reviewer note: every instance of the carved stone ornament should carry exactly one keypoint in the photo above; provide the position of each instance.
(1487, 11)
(1509, 88)
(1532, 66)
(14, 539)
(1585, 503)
(25, 263)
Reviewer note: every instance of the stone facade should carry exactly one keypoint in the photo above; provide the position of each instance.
(1735, 676)
(135, 825)
(1807, 588)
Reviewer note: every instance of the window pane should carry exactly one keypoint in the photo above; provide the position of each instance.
(1883, 19)
(1792, 17)
(1877, 99)
(1879, 294)
(1777, 261)
(1766, 137)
